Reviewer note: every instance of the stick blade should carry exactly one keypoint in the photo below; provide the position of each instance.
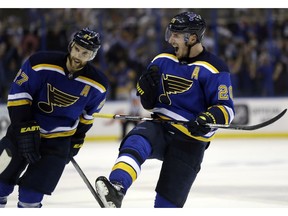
(251, 127)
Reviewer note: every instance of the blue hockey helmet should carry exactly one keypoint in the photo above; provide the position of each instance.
(187, 22)
(88, 39)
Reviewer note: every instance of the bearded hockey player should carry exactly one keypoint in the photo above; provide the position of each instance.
(51, 105)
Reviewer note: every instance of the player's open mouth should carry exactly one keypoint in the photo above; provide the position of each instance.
(76, 61)
(176, 49)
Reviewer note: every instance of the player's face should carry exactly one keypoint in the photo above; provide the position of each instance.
(78, 57)
(177, 41)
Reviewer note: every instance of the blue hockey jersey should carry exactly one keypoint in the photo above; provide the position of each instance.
(201, 84)
(58, 100)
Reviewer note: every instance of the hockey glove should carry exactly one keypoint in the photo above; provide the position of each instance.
(28, 140)
(76, 143)
(198, 127)
(147, 86)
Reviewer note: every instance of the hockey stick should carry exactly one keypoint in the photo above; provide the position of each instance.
(5, 159)
(171, 121)
(90, 187)
(6, 154)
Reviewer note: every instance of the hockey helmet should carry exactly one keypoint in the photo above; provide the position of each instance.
(88, 39)
(187, 22)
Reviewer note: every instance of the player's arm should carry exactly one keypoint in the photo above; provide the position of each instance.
(86, 120)
(221, 110)
(24, 130)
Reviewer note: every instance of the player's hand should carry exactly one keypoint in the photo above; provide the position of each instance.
(199, 127)
(147, 87)
(149, 81)
(28, 140)
(77, 142)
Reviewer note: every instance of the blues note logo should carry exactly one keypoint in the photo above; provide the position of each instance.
(57, 98)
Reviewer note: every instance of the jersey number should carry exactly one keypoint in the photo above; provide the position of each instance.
(224, 92)
(20, 78)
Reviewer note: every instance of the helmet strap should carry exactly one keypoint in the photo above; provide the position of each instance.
(186, 39)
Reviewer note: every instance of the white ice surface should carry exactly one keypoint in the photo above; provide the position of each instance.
(236, 175)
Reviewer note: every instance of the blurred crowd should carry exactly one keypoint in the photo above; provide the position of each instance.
(252, 41)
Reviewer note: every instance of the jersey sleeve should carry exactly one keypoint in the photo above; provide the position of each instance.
(219, 97)
(22, 91)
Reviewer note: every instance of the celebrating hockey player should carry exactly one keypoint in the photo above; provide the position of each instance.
(51, 105)
(188, 84)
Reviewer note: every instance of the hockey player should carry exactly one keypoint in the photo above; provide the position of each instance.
(189, 84)
(51, 105)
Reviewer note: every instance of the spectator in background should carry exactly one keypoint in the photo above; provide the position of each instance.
(265, 72)
(3, 82)
(57, 37)
(29, 44)
(280, 77)
(122, 69)
(140, 32)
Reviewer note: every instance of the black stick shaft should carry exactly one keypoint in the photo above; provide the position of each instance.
(170, 121)
(88, 184)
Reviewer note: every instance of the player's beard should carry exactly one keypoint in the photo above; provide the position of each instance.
(182, 52)
(75, 64)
